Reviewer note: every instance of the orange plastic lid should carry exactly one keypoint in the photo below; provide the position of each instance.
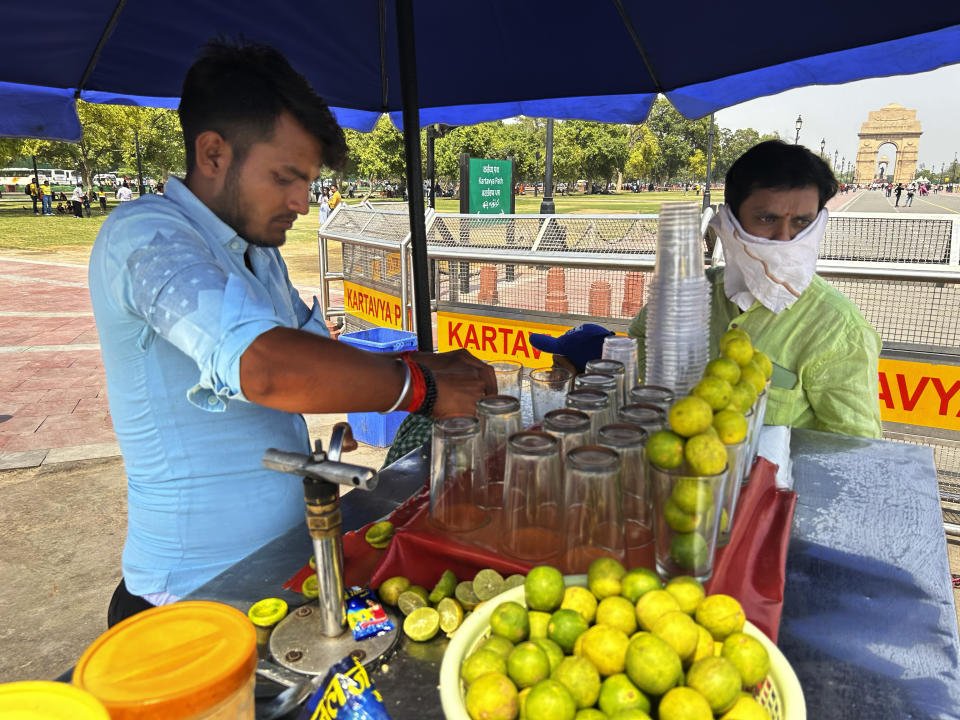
(44, 700)
(171, 662)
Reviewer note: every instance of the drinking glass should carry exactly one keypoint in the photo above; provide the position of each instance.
(456, 493)
(508, 377)
(686, 520)
(499, 417)
(756, 427)
(628, 442)
(570, 427)
(604, 383)
(736, 459)
(649, 417)
(593, 508)
(609, 367)
(595, 403)
(548, 389)
(624, 349)
(532, 498)
(651, 395)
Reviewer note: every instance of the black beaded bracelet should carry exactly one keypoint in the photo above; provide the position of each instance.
(426, 407)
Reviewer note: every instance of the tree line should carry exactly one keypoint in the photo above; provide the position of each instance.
(108, 144)
(667, 147)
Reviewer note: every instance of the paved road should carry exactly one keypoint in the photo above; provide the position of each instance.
(53, 404)
(875, 201)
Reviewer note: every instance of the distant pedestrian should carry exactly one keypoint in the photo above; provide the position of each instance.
(124, 194)
(90, 200)
(324, 206)
(898, 192)
(335, 198)
(911, 189)
(46, 197)
(33, 190)
(77, 200)
(103, 200)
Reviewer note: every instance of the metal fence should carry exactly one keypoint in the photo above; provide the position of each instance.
(890, 238)
(374, 253)
(903, 272)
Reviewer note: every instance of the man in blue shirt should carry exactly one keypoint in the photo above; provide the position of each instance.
(210, 353)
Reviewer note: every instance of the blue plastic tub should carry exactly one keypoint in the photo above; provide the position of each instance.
(370, 427)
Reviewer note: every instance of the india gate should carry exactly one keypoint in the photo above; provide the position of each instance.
(892, 124)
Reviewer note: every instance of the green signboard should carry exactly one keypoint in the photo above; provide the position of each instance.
(491, 186)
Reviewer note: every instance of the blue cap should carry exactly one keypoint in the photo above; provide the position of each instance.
(580, 344)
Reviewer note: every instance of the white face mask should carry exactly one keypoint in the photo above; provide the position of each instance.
(773, 272)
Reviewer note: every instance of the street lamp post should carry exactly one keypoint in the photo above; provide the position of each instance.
(536, 172)
(835, 153)
(798, 124)
(706, 190)
(546, 205)
(431, 169)
(823, 144)
(136, 141)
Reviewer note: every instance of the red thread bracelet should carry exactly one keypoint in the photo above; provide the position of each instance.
(419, 392)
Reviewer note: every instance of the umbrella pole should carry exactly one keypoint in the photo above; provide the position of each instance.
(411, 140)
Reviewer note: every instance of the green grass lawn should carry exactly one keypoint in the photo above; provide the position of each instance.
(625, 202)
(21, 230)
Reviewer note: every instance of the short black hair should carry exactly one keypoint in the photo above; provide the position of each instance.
(239, 90)
(776, 164)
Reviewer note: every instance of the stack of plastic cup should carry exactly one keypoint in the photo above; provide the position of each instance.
(624, 350)
(678, 308)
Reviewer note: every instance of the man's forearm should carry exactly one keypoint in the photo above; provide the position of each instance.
(297, 371)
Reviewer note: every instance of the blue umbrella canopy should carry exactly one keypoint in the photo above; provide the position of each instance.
(601, 61)
(434, 61)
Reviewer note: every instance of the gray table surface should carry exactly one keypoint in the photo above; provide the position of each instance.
(868, 619)
(869, 623)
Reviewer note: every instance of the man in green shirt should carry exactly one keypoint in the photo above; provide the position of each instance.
(824, 352)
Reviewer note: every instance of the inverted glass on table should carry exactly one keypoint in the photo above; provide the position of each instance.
(532, 498)
(593, 508)
(457, 493)
(548, 390)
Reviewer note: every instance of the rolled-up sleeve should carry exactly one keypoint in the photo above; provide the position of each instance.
(202, 308)
(842, 387)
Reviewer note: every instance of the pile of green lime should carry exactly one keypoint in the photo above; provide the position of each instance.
(702, 426)
(444, 607)
(626, 647)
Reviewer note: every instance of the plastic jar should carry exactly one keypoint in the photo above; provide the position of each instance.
(186, 661)
(43, 700)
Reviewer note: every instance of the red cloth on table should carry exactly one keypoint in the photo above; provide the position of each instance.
(751, 567)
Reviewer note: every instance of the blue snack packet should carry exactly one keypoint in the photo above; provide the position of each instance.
(365, 616)
(347, 693)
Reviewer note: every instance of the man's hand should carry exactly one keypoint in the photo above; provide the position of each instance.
(459, 361)
(457, 393)
(333, 329)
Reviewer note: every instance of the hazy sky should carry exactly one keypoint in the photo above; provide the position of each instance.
(836, 112)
